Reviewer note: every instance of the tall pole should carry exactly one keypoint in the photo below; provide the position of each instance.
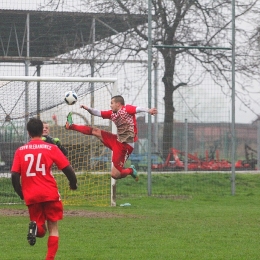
(186, 146)
(233, 177)
(149, 174)
(258, 145)
(156, 141)
(27, 62)
(92, 96)
(38, 67)
(92, 66)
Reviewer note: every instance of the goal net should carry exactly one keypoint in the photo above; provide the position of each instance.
(24, 97)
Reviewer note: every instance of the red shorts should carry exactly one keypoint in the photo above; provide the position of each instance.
(49, 210)
(121, 151)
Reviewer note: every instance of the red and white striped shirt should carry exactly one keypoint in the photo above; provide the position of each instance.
(125, 122)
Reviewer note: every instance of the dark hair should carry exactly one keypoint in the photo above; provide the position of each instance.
(119, 98)
(35, 127)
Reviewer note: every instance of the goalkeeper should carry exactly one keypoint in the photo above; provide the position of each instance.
(48, 139)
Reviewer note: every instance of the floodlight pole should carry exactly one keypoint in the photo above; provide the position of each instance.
(258, 145)
(155, 132)
(233, 175)
(149, 174)
(26, 87)
(38, 68)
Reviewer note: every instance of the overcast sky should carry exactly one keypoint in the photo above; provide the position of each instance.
(243, 114)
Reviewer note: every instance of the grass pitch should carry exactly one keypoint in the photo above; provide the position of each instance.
(196, 228)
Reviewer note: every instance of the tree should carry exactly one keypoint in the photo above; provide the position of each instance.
(187, 23)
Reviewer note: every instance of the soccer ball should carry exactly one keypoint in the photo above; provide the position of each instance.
(71, 97)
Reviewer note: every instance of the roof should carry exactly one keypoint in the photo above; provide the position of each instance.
(54, 33)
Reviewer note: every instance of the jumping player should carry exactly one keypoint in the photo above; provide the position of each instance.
(122, 143)
(33, 181)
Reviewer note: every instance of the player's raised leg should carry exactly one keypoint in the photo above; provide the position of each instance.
(84, 129)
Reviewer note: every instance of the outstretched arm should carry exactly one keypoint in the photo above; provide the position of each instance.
(152, 111)
(16, 184)
(70, 174)
(92, 111)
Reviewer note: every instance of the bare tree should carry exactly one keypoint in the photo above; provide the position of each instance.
(182, 23)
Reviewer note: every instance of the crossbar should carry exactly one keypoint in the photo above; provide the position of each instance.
(57, 79)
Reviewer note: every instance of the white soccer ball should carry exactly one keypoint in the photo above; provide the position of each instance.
(71, 97)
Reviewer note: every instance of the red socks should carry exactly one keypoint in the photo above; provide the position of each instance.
(84, 129)
(125, 172)
(53, 243)
(41, 231)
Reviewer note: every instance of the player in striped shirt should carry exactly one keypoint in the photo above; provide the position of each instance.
(122, 143)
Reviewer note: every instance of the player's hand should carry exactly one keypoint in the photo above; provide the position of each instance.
(73, 186)
(153, 111)
(84, 107)
(20, 193)
(56, 141)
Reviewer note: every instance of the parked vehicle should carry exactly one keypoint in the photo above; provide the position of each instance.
(140, 160)
(175, 161)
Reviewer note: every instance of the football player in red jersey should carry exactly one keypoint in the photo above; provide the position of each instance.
(122, 143)
(32, 179)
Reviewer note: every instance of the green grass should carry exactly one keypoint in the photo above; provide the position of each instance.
(94, 190)
(196, 219)
(192, 184)
(151, 228)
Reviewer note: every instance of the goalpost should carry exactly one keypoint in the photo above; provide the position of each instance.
(22, 97)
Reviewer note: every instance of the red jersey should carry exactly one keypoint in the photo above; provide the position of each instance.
(125, 122)
(33, 161)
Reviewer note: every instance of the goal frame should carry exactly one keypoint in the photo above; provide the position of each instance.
(27, 79)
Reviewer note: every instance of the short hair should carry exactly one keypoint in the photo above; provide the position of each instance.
(119, 98)
(35, 127)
